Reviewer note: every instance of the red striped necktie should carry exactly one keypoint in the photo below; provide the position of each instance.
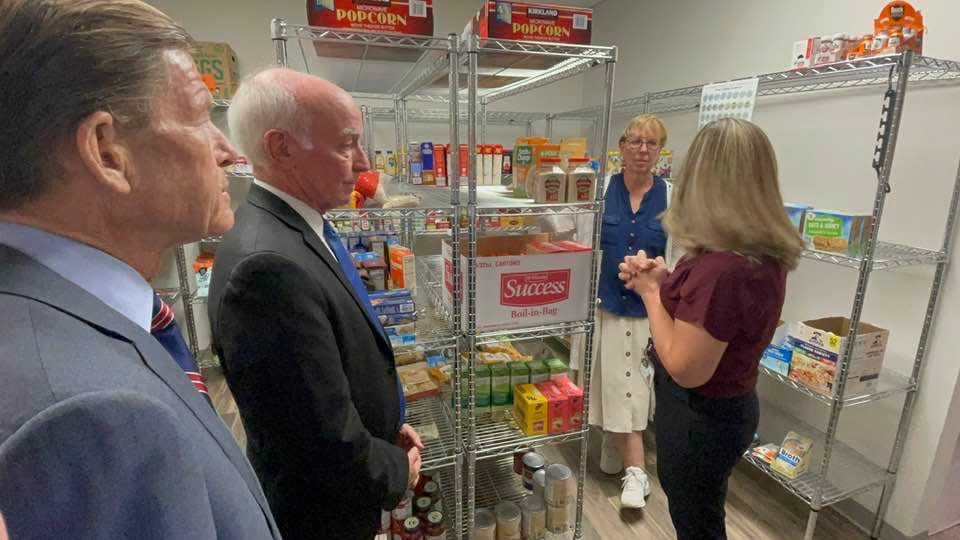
(166, 330)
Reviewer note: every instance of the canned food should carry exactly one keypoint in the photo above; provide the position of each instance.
(434, 528)
(561, 487)
(508, 520)
(534, 518)
(422, 507)
(540, 483)
(484, 525)
(532, 462)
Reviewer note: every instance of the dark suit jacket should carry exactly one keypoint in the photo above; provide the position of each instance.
(313, 378)
(101, 434)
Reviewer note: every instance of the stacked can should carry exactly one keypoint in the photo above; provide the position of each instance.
(560, 495)
(415, 163)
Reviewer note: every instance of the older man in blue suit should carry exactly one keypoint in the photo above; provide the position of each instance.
(109, 158)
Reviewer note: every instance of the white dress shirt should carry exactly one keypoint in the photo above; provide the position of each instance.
(311, 216)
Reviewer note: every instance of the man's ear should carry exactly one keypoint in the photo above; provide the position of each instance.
(277, 145)
(102, 152)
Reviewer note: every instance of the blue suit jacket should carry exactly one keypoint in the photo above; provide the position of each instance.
(101, 434)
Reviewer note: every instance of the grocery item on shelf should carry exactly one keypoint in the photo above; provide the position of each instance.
(572, 247)
(540, 483)
(485, 173)
(766, 453)
(558, 368)
(390, 163)
(403, 268)
(484, 525)
(440, 164)
(796, 213)
(543, 248)
(508, 520)
(377, 271)
(818, 348)
(539, 371)
(532, 462)
(519, 373)
(463, 162)
(534, 518)
(558, 407)
(506, 171)
(560, 496)
(416, 381)
(833, 48)
(550, 183)
(219, 61)
(379, 161)
(614, 162)
(581, 181)
(530, 21)
(203, 268)
(434, 528)
(777, 356)
(793, 459)
(428, 432)
(575, 396)
(403, 510)
(804, 52)
(523, 164)
(483, 382)
(421, 507)
(393, 302)
(384, 16)
(496, 170)
(414, 163)
(530, 409)
(664, 166)
(837, 232)
(501, 393)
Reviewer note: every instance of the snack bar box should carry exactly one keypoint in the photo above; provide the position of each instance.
(411, 17)
(520, 291)
(818, 350)
(531, 21)
(220, 62)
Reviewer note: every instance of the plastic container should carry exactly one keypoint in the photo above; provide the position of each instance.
(533, 523)
(549, 186)
(508, 520)
(484, 525)
(581, 181)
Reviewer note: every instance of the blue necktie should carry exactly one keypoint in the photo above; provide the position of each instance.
(166, 330)
(349, 270)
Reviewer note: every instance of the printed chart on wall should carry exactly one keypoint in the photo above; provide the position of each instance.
(734, 99)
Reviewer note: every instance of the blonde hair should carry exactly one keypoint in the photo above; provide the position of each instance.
(645, 121)
(727, 196)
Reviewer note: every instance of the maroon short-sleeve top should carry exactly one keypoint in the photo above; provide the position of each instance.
(738, 300)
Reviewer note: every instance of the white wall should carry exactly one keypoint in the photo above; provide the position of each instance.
(824, 145)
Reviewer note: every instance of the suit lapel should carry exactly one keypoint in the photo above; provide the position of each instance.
(23, 276)
(269, 202)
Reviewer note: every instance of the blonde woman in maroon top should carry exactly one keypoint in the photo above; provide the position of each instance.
(712, 317)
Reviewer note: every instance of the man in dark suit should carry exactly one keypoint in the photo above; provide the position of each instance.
(307, 361)
(108, 160)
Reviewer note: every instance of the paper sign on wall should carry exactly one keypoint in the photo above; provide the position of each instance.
(734, 99)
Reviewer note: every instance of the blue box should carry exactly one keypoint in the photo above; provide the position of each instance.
(777, 358)
(797, 213)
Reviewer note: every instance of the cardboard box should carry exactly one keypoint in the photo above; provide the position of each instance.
(377, 270)
(557, 368)
(804, 52)
(575, 395)
(777, 358)
(220, 62)
(837, 232)
(818, 348)
(539, 371)
(416, 381)
(411, 17)
(525, 290)
(519, 373)
(542, 248)
(501, 393)
(530, 409)
(403, 268)
(499, 19)
(796, 214)
(558, 407)
(571, 246)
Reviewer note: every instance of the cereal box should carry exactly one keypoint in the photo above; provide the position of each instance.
(530, 409)
(837, 232)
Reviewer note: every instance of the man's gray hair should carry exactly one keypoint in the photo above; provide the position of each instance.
(263, 103)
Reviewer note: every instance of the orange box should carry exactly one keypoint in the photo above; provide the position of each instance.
(558, 407)
(403, 271)
(575, 395)
(440, 164)
(530, 21)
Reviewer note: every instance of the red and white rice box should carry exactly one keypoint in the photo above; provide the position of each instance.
(530, 21)
(541, 248)
(520, 291)
(575, 395)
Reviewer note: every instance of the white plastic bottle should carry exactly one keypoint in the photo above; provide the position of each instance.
(550, 185)
(581, 181)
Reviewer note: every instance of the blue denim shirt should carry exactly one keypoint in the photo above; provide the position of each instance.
(624, 233)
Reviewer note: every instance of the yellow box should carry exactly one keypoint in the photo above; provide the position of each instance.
(530, 409)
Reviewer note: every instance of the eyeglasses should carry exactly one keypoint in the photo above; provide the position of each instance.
(637, 144)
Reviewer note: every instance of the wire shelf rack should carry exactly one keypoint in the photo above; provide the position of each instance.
(558, 330)
(886, 256)
(433, 410)
(850, 472)
(498, 434)
(169, 296)
(890, 384)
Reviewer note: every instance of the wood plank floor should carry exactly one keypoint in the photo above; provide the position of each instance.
(757, 508)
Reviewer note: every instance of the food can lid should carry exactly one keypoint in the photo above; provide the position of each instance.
(435, 517)
(411, 524)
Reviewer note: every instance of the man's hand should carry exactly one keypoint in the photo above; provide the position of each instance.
(408, 438)
(413, 458)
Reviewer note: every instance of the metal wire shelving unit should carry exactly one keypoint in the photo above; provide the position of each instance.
(840, 472)
(464, 75)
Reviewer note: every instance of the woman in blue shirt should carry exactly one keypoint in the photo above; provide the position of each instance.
(622, 378)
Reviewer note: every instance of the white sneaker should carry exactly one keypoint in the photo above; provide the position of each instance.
(636, 488)
(610, 461)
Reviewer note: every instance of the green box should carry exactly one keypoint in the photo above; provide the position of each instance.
(837, 232)
(501, 393)
(539, 372)
(557, 368)
(483, 388)
(519, 374)
(220, 62)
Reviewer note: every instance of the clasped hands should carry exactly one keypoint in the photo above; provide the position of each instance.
(643, 275)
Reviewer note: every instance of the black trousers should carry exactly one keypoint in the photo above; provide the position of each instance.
(699, 441)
